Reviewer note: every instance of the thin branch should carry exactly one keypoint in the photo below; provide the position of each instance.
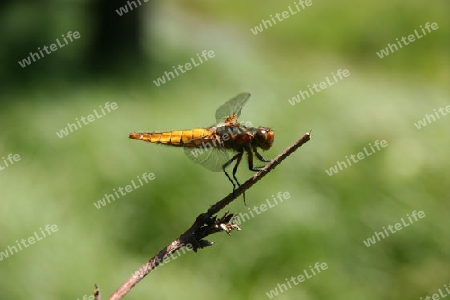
(97, 293)
(205, 224)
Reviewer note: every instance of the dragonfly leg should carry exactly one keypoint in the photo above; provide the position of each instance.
(238, 161)
(229, 178)
(251, 166)
(259, 156)
(250, 160)
(238, 158)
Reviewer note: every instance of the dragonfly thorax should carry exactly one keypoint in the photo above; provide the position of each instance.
(237, 137)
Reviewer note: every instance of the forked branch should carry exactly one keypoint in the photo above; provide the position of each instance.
(205, 224)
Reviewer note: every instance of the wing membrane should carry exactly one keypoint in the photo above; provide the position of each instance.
(212, 158)
(232, 107)
(207, 153)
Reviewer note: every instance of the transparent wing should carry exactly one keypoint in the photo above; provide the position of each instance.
(211, 158)
(232, 108)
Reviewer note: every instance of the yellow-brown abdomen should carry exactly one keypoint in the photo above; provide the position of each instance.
(173, 138)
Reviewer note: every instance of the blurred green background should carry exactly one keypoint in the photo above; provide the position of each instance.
(326, 219)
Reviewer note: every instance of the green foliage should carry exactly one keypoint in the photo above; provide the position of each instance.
(326, 219)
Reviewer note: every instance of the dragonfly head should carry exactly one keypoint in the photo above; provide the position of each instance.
(264, 138)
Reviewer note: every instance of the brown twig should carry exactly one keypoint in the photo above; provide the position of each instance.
(205, 224)
(97, 293)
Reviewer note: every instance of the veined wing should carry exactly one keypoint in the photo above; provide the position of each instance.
(231, 110)
(210, 154)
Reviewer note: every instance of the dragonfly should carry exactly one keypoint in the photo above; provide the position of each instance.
(218, 146)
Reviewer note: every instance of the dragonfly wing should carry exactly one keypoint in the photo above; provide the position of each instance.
(211, 158)
(232, 108)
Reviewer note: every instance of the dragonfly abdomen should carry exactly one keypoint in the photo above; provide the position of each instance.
(180, 138)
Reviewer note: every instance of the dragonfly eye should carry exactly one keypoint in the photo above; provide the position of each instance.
(264, 138)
